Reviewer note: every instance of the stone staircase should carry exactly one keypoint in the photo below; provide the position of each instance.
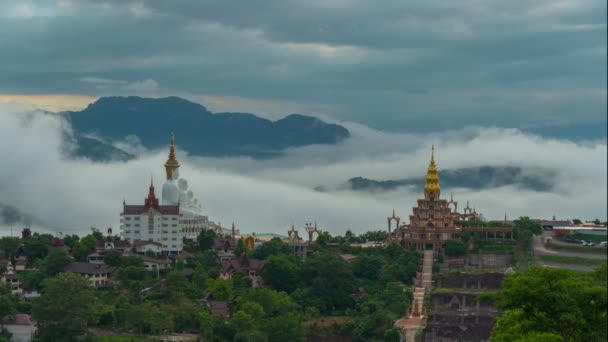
(413, 322)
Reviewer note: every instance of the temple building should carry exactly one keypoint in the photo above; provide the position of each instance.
(175, 192)
(434, 220)
(152, 222)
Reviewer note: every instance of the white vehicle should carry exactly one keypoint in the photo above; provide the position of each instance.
(604, 244)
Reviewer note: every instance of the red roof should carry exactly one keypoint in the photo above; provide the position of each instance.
(243, 263)
(18, 319)
(86, 268)
(142, 209)
(139, 243)
(219, 308)
(151, 202)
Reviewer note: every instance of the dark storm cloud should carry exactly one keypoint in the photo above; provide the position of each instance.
(396, 65)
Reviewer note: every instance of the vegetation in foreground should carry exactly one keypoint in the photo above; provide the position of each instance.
(548, 304)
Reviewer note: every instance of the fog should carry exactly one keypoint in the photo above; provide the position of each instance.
(54, 193)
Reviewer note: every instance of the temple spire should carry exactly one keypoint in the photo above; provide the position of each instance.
(432, 188)
(172, 164)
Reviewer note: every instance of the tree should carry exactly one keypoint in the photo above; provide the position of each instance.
(84, 247)
(7, 301)
(133, 278)
(281, 272)
(71, 240)
(37, 246)
(524, 228)
(205, 239)
(329, 279)
(65, 308)
(9, 245)
(455, 248)
(553, 302)
(112, 258)
(55, 261)
(576, 221)
(240, 248)
(273, 247)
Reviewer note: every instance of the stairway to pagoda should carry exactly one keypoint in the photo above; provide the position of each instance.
(415, 320)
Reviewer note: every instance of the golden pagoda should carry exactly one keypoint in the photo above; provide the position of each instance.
(172, 164)
(431, 222)
(432, 189)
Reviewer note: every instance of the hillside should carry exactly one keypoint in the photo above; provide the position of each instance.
(483, 177)
(199, 131)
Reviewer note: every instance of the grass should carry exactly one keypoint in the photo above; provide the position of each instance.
(486, 246)
(589, 237)
(461, 290)
(571, 260)
(577, 248)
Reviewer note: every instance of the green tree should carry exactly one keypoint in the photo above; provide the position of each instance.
(133, 278)
(553, 302)
(455, 248)
(240, 248)
(273, 247)
(205, 325)
(9, 244)
(205, 239)
(524, 228)
(37, 246)
(112, 258)
(281, 272)
(84, 247)
(71, 240)
(65, 308)
(8, 305)
(33, 279)
(55, 261)
(330, 279)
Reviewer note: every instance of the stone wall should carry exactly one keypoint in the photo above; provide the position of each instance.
(469, 281)
(455, 315)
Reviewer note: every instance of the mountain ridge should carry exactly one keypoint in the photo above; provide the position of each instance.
(198, 130)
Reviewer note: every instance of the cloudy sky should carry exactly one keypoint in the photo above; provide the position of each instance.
(392, 65)
(473, 77)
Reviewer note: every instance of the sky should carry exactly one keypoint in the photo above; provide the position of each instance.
(482, 80)
(402, 66)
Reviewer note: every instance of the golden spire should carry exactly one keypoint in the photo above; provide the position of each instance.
(172, 164)
(431, 186)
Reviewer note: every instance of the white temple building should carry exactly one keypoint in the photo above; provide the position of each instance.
(154, 223)
(175, 192)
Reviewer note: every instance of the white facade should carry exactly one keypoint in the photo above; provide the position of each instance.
(154, 226)
(152, 222)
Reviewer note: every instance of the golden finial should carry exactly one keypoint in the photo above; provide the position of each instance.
(172, 164)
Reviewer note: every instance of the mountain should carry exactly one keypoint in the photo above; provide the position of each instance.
(199, 131)
(483, 177)
(98, 151)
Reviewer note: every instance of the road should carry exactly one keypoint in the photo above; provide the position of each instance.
(539, 249)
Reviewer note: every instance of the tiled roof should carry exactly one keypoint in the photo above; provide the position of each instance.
(218, 308)
(139, 243)
(87, 268)
(243, 263)
(142, 209)
(223, 243)
(18, 319)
